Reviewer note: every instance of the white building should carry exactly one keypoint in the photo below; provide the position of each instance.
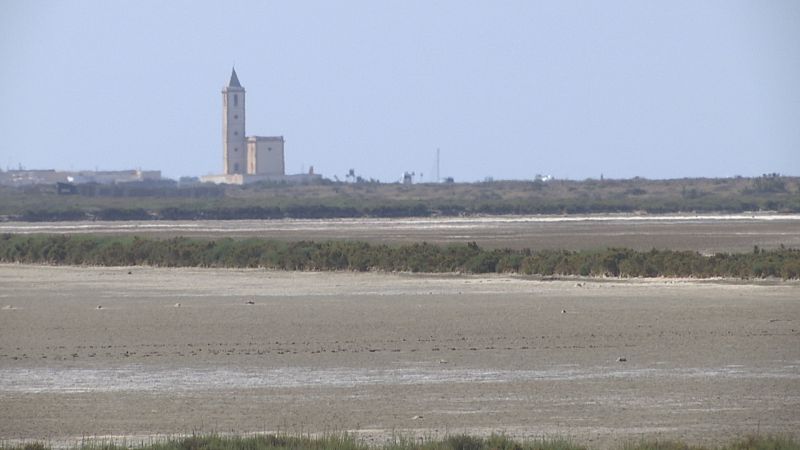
(23, 177)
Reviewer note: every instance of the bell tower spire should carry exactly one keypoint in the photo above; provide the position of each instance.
(234, 147)
(234, 79)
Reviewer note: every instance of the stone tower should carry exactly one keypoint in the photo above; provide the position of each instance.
(234, 144)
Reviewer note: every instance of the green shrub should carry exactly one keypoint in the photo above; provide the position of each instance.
(418, 257)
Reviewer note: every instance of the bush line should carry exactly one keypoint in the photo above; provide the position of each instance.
(418, 257)
(264, 201)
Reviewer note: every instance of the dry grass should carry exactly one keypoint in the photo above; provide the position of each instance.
(456, 442)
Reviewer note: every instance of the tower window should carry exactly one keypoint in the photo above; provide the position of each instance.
(235, 133)
(235, 100)
(235, 116)
(236, 167)
(236, 149)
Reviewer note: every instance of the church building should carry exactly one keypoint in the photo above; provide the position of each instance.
(248, 159)
(254, 155)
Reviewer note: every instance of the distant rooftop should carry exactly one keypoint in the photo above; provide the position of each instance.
(265, 138)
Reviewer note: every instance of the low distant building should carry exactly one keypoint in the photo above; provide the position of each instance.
(249, 159)
(115, 176)
(30, 177)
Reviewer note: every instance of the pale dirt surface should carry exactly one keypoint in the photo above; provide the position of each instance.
(392, 353)
(704, 233)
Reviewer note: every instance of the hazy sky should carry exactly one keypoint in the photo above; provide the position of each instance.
(506, 89)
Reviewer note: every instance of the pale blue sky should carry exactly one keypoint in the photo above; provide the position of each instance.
(506, 89)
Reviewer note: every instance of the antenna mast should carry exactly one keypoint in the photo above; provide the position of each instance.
(437, 165)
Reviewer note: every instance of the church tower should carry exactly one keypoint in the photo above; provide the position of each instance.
(234, 144)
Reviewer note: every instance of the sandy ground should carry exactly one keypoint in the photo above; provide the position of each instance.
(382, 354)
(705, 233)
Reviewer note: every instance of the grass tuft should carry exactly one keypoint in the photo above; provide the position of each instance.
(346, 441)
(748, 443)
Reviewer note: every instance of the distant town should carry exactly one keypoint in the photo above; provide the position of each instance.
(245, 160)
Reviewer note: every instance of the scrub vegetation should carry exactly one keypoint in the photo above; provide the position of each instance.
(419, 257)
(457, 442)
(327, 199)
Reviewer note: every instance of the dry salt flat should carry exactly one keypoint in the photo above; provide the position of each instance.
(252, 351)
